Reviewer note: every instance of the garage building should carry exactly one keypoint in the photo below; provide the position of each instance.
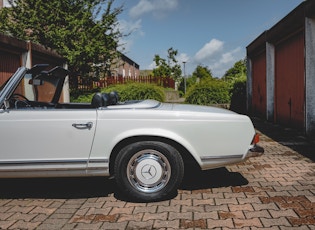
(281, 71)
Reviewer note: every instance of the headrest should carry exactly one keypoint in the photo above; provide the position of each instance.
(97, 100)
(113, 97)
(104, 99)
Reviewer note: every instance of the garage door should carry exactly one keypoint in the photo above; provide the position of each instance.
(8, 65)
(289, 82)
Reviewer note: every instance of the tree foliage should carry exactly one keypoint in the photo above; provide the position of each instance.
(167, 67)
(202, 72)
(238, 96)
(132, 91)
(208, 92)
(239, 70)
(199, 74)
(82, 31)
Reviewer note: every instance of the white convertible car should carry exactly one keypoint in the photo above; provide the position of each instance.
(146, 145)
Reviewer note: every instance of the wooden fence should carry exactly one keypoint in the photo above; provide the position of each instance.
(87, 84)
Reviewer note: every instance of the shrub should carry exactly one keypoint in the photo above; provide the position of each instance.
(133, 91)
(238, 96)
(208, 92)
(138, 91)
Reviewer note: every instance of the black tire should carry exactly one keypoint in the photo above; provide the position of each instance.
(149, 170)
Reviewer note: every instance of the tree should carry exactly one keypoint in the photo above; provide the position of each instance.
(236, 77)
(82, 31)
(202, 72)
(169, 67)
(237, 71)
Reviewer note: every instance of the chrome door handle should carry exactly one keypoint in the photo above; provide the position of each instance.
(88, 125)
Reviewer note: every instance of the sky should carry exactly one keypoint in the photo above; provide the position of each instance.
(210, 33)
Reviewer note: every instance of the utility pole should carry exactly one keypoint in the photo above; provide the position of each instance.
(184, 62)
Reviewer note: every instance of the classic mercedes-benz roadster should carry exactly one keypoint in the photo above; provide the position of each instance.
(145, 145)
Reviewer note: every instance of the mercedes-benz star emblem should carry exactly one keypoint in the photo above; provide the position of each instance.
(148, 172)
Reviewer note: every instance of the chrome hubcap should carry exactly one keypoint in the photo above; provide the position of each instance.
(148, 171)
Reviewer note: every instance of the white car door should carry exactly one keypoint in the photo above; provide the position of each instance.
(46, 139)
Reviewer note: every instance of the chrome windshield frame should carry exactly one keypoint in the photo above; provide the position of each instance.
(12, 84)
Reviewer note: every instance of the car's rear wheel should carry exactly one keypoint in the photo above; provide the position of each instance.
(149, 170)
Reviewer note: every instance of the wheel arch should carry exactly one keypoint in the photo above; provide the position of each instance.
(188, 158)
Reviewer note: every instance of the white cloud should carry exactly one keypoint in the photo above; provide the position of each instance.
(132, 29)
(157, 7)
(131, 26)
(183, 57)
(152, 65)
(225, 61)
(208, 50)
(215, 56)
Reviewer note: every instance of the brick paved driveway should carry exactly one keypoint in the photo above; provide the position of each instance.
(276, 191)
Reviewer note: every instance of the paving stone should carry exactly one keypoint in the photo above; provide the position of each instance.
(182, 215)
(22, 216)
(223, 207)
(197, 202)
(5, 224)
(243, 207)
(130, 217)
(220, 223)
(140, 225)
(21, 209)
(282, 221)
(283, 213)
(219, 201)
(232, 214)
(193, 224)
(168, 208)
(5, 215)
(41, 210)
(155, 216)
(121, 210)
(206, 215)
(88, 226)
(257, 214)
(151, 209)
(158, 224)
(194, 209)
(186, 202)
(21, 224)
(254, 222)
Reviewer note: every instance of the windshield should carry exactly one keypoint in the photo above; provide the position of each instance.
(41, 88)
(33, 88)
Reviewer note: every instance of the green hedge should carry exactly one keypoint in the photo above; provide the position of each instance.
(238, 96)
(208, 92)
(132, 91)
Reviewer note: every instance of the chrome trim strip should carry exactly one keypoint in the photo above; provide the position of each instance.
(39, 162)
(213, 158)
(51, 166)
(92, 161)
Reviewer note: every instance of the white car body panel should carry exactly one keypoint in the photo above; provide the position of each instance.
(219, 142)
(43, 139)
(46, 137)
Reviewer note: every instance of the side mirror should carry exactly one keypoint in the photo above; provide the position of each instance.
(36, 82)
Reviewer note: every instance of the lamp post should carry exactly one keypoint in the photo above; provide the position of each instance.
(184, 62)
